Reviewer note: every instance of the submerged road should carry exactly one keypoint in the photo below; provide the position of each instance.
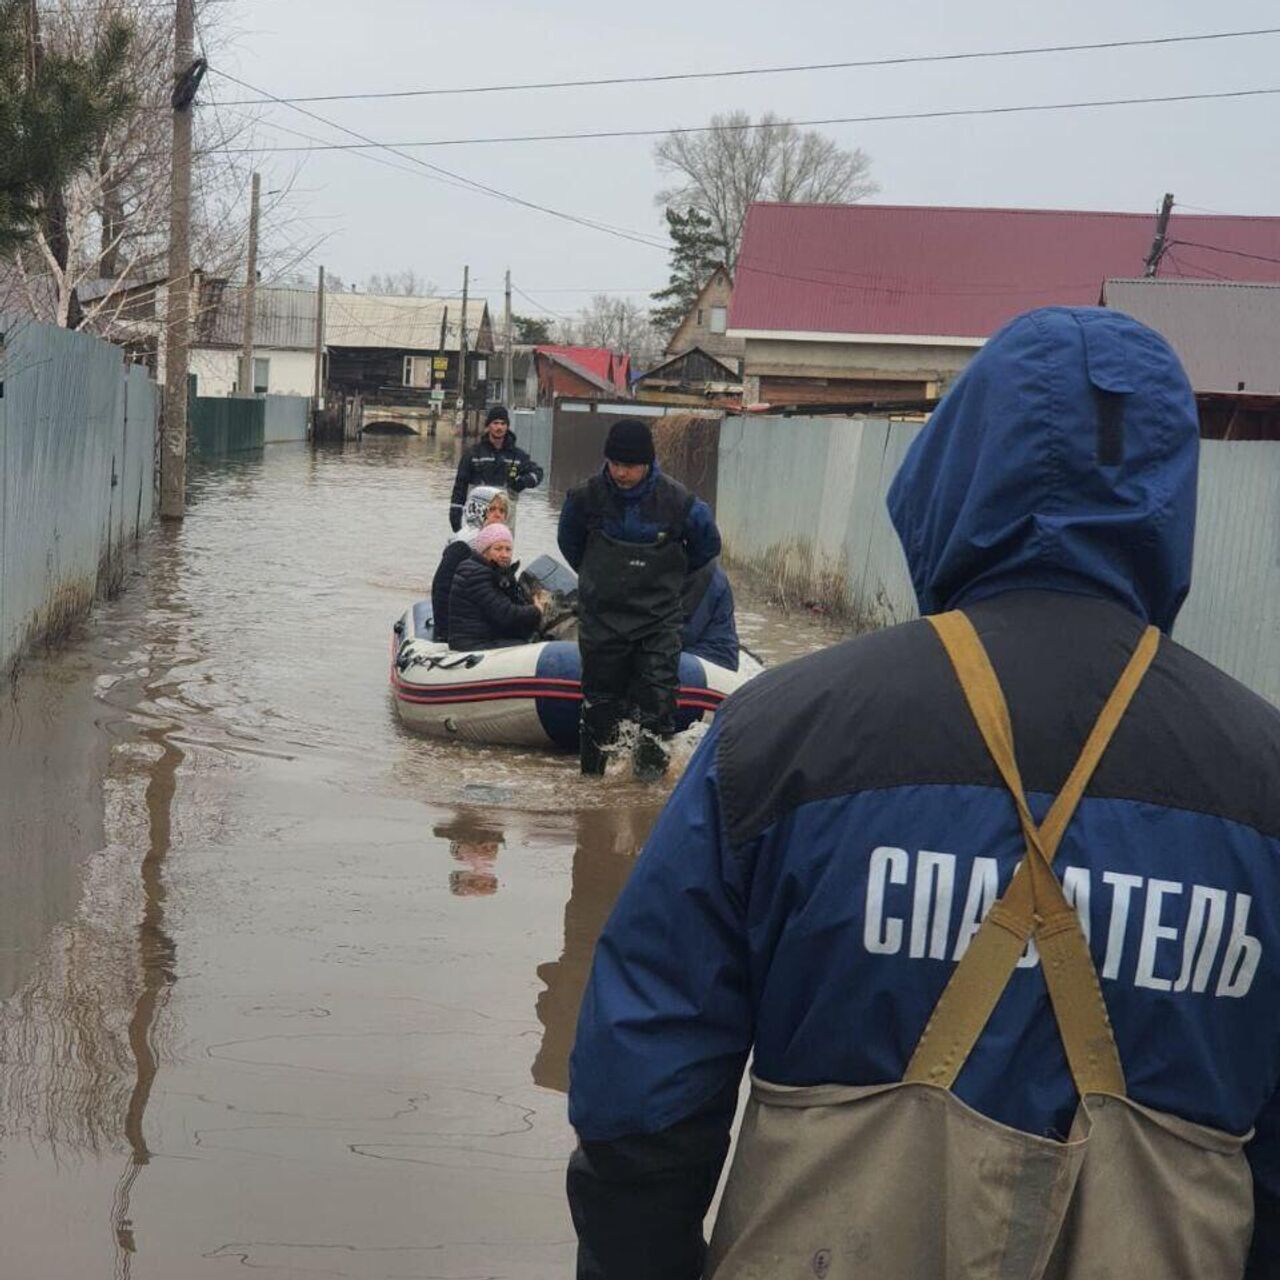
(283, 987)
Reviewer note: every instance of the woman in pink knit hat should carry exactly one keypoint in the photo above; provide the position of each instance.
(487, 608)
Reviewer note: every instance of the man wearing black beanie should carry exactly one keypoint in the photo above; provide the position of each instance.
(493, 460)
(633, 534)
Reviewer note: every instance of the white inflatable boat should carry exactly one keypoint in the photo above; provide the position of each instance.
(527, 695)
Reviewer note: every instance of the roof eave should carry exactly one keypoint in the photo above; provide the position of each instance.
(881, 339)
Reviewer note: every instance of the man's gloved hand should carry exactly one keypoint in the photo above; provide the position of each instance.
(515, 473)
(455, 518)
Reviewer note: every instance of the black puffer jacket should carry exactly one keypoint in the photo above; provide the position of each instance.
(487, 610)
(509, 467)
(455, 554)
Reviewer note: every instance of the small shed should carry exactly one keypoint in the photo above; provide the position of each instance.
(694, 376)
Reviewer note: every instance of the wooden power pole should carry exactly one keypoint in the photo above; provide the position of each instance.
(247, 379)
(462, 356)
(506, 345)
(319, 386)
(1152, 264)
(187, 73)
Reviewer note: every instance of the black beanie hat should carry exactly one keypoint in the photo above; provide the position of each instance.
(630, 441)
(498, 413)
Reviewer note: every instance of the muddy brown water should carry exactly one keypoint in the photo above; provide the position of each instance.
(284, 987)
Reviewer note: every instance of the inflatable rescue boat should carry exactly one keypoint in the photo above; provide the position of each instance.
(527, 695)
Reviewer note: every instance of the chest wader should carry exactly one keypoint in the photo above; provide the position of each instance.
(630, 619)
(905, 1182)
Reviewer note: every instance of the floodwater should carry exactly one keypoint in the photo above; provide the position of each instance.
(284, 987)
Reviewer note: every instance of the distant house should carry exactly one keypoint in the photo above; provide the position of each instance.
(583, 372)
(706, 324)
(694, 376)
(863, 304)
(394, 350)
(283, 341)
(1227, 336)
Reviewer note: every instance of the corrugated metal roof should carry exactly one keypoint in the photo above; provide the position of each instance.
(1224, 333)
(284, 319)
(399, 323)
(961, 273)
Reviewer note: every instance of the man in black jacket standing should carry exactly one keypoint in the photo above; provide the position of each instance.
(493, 459)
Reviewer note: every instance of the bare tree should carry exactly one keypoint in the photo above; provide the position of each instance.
(113, 233)
(407, 283)
(615, 323)
(721, 173)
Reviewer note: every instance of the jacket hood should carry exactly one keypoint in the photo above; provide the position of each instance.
(1064, 457)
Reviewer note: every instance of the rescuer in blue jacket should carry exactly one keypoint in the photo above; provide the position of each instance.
(634, 535)
(710, 630)
(841, 831)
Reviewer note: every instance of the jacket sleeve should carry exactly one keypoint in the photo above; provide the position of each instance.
(663, 1035)
(571, 534)
(528, 475)
(1264, 1159)
(719, 639)
(508, 619)
(459, 496)
(701, 537)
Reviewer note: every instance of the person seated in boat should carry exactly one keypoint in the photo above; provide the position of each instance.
(485, 506)
(710, 630)
(487, 607)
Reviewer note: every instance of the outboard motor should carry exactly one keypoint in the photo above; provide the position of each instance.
(546, 573)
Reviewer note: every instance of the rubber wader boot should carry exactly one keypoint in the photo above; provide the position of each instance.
(650, 758)
(594, 745)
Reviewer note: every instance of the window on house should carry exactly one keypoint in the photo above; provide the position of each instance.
(494, 393)
(719, 319)
(417, 371)
(699, 315)
(479, 372)
(261, 376)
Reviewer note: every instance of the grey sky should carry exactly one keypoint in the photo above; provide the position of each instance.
(1218, 155)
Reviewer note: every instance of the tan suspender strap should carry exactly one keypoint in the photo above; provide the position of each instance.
(1034, 903)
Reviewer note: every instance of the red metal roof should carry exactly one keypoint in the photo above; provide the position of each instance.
(600, 361)
(948, 272)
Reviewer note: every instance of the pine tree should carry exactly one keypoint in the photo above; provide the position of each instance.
(54, 109)
(695, 254)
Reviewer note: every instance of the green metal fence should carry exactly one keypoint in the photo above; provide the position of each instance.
(219, 425)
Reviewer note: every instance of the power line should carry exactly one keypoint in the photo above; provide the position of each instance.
(853, 64)
(437, 171)
(1217, 248)
(949, 114)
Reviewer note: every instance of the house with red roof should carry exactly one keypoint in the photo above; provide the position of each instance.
(591, 372)
(872, 304)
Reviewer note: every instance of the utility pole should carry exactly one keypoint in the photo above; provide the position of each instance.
(1152, 264)
(462, 356)
(187, 74)
(319, 387)
(247, 379)
(506, 345)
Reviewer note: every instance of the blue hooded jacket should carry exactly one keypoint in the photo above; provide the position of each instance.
(841, 831)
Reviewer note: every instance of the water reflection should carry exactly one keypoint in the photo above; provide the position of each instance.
(608, 841)
(474, 840)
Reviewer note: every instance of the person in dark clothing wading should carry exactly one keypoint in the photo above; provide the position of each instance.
(633, 534)
(494, 459)
(487, 609)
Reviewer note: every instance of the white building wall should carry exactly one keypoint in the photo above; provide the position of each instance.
(291, 373)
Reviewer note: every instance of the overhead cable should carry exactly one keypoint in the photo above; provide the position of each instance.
(849, 65)
(882, 118)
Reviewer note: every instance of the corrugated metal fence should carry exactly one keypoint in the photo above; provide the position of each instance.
(802, 502)
(220, 425)
(77, 475)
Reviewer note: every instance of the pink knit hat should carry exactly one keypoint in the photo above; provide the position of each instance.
(490, 534)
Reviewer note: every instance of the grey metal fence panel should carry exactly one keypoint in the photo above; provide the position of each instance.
(533, 428)
(68, 458)
(802, 501)
(286, 419)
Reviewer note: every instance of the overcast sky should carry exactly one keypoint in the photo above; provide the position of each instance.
(1217, 155)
